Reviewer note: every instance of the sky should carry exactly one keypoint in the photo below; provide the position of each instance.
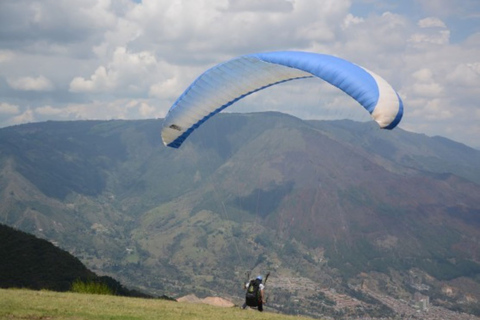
(125, 59)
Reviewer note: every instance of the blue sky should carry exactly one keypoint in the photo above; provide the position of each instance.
(124, 59)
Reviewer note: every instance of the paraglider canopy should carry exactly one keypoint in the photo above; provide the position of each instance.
(228, 82)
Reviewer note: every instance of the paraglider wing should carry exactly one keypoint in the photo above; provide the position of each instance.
(226, 83)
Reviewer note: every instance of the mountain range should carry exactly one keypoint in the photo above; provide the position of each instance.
(323, 205)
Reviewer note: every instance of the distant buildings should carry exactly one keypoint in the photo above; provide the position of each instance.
(421, 302)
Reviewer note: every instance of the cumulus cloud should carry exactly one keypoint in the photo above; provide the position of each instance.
(431, 22)
(350, 20)
(7, 108)
(115, 109)
(214, 30)
(146, 110)
(49, 111)
(465, 74)
(25, 117)
(255, 5)
(432, 30)
(99, 81)
(425, 85)
(40, 26)
(127, 71)
(39, 83)
(168, 88)
(440, 37)
(101, 59)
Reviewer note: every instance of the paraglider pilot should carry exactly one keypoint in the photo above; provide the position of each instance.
(254, 296)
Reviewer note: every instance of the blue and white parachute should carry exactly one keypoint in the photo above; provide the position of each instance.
(228, 82)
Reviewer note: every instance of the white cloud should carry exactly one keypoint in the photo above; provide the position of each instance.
(465, 74)
(211, 31)
(431, 22)
(350, 21)
(25, 117)
(115, 109)
(49, 111)
(127, 71)
(165, 89)
(265, 5)
(7, 108)
(39, 83)
(440, 37)
(434, 110)
(425, 85)
(99, 81)
(146, 110)
(103, 59)
(432, 31)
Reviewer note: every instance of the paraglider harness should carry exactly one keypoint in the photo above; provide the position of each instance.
(253, 293)
(253, 297)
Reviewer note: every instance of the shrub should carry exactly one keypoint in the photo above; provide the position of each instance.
(91, 287)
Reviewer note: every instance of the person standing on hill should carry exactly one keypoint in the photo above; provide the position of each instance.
(255, 296)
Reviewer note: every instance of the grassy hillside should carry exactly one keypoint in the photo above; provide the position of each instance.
(25, 304)
(29, 262)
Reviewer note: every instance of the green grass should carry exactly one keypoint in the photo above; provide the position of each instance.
(28, 304)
